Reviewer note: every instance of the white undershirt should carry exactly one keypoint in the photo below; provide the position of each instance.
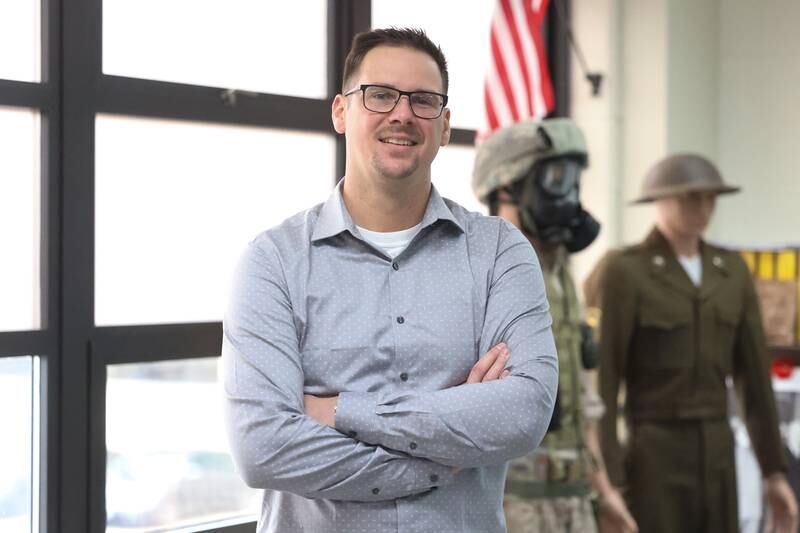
(391, 242)
(693, 267)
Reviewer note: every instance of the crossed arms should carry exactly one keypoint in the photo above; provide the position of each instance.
(384, 447)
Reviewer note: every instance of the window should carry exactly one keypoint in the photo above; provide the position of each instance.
(168, 463)
(19, 219)
(177, 202)
(241, 44)
(452, 175)
(19, 420)
(19, 32)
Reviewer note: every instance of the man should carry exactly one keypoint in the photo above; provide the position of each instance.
(355, 392)
(529, 174)
(678, 316)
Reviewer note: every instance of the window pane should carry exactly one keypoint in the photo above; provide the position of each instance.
(177, 202)
(168, 462)
(17, 444)
(19, 40)
(274, 47)
(452, 175)
(19, 219)
(465, 45)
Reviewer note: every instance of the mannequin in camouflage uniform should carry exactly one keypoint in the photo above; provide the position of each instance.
(529, 173)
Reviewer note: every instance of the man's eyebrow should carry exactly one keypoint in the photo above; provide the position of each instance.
(391, 86)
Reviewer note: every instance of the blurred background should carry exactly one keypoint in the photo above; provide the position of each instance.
(144, 143)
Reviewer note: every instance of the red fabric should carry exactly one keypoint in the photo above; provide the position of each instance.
(518, 84)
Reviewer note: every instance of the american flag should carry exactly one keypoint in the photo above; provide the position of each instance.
(518, 83)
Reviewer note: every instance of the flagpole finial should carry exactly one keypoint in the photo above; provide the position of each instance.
(595, 79)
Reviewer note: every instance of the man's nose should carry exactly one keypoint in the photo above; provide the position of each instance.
(402, 109)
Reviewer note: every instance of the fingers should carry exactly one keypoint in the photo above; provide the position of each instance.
(630, 525)
(487, 363)
(625, 521)
(615, 515)
(498, 367)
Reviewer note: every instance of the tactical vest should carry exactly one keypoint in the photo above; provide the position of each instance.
(559, 466)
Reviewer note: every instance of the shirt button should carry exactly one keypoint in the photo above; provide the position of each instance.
(376, 490)
(400, 320)
(404, 376)
(434, 478)
(413, 445)
(395, 266)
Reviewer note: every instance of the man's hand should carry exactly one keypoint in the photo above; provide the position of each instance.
(782, 517)
(323, 410)
(491, 366)
(614, 514)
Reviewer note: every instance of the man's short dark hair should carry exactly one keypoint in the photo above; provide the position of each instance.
(405, 37)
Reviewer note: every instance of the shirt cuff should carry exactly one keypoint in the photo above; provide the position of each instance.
(356, 416)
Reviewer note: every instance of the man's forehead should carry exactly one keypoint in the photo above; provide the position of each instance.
(420, 73)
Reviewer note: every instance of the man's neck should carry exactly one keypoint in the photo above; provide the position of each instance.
(683, 245)
(391, 206)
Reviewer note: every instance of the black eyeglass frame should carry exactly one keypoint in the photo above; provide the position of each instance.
(364, 86)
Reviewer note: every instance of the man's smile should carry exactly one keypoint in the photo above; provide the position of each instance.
(397, 141)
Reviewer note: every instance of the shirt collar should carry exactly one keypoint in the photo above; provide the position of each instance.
(334, 217)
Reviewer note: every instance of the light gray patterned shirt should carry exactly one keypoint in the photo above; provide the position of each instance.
(317, 310)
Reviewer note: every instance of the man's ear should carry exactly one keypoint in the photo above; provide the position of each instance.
(446, 130)
(337, 113)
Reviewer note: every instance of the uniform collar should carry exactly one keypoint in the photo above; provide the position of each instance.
(335, 219)
(664, 265)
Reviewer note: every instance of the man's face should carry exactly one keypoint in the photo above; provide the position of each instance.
(395, 145)
(686, 214)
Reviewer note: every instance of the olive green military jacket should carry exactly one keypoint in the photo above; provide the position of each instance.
(673, 344)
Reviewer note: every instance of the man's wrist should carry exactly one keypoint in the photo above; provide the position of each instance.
(335, 405)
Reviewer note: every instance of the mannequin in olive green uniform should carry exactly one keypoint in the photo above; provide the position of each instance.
(548, 491)
(673, 342)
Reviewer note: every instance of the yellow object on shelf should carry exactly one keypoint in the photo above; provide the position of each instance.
(787, 265)
(766, 265)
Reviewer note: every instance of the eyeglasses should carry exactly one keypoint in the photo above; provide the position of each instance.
(382, 99)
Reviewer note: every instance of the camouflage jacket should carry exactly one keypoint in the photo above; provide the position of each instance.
(560, 466)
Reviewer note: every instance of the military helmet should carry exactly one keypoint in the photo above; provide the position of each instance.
(509, 153)
(681, 173)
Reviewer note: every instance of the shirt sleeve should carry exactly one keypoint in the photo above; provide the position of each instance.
(273, 443)
(617, 304)
(483, 423)
(751, 373)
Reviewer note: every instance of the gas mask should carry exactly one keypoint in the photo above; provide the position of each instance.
(548, 199)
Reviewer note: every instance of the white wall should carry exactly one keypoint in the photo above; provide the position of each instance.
(759, 121)
(594, 24)
(716, 77)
